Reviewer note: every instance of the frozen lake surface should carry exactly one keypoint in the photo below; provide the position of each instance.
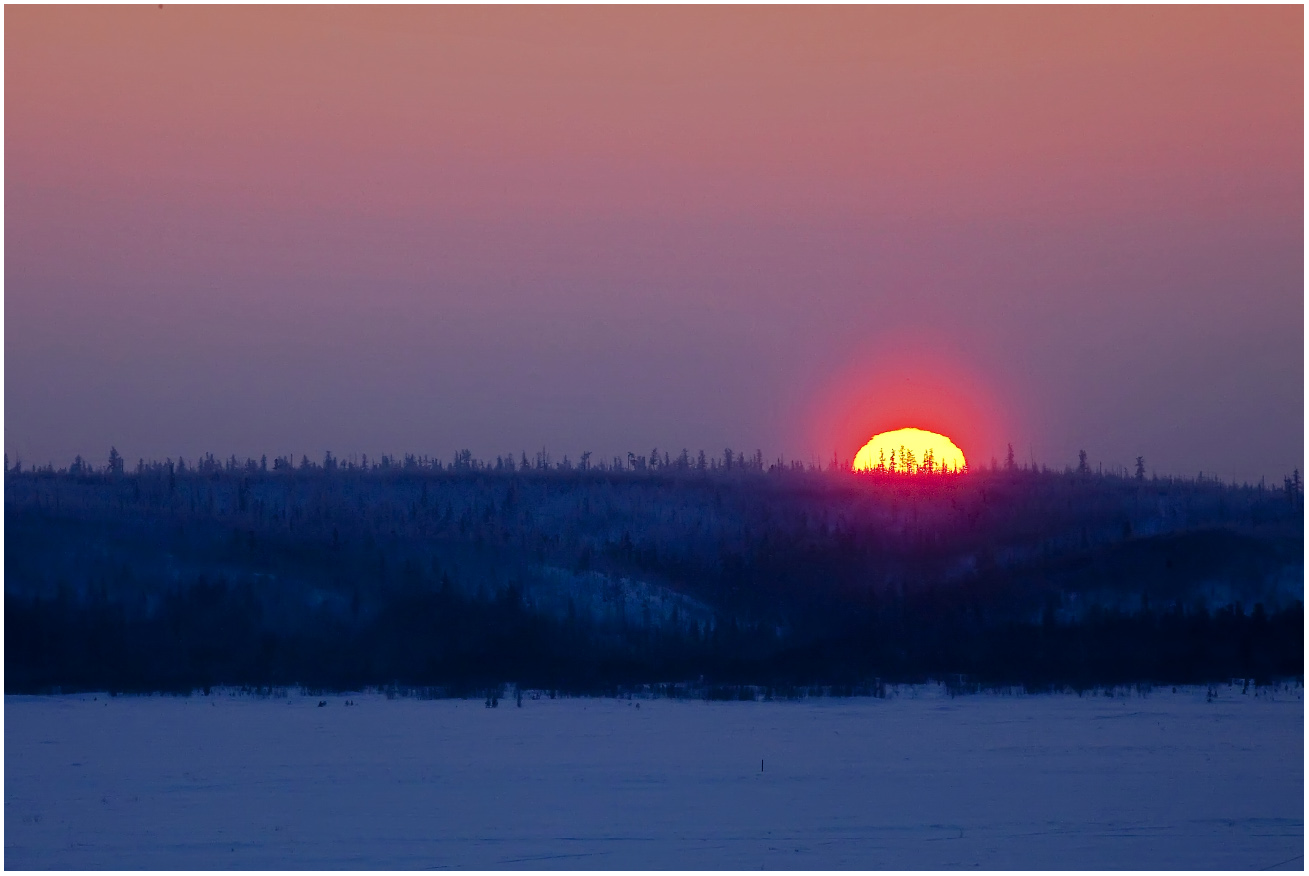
(920, 780)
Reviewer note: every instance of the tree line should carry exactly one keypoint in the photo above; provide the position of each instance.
(177, 574)
(902, 464)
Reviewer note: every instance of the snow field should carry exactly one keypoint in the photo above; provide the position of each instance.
(918, 780)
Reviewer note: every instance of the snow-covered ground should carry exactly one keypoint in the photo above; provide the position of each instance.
(1163, 780)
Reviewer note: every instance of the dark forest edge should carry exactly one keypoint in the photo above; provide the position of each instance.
(542, 463)
(582, 579)
(206, 640)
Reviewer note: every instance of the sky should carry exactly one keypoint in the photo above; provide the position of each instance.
(248, 230)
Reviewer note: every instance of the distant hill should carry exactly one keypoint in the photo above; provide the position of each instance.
(465, 575)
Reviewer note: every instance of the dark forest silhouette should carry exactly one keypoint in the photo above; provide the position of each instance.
(590, 575)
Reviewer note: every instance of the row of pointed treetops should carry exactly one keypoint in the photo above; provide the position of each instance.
(900, 464)
(464, 461)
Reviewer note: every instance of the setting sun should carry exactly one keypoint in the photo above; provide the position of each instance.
(910, 451)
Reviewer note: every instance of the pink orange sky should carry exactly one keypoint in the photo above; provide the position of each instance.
(414, 229)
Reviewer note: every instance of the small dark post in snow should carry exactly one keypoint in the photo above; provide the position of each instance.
(761, 764)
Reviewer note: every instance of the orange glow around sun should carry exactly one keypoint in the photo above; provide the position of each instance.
(910, 451)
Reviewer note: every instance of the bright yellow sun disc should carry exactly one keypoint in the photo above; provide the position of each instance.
(910, 451)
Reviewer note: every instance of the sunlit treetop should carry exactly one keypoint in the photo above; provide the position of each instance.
(910, 451)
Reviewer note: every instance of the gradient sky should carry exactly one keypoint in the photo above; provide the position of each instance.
(408, 229)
